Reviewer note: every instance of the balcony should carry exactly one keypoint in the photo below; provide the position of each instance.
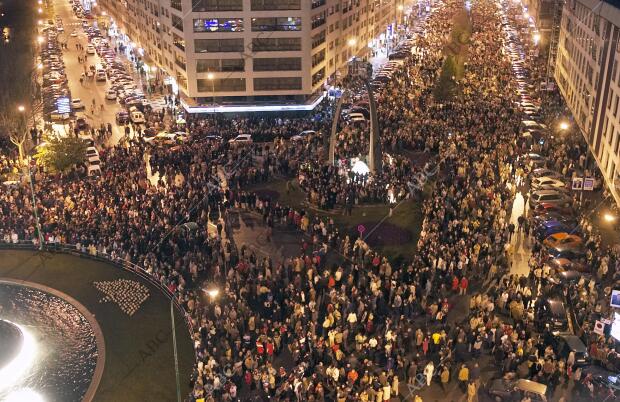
(318, 3)
(318, 22)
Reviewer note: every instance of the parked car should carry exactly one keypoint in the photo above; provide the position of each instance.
(551, 311)
(548, 228)
(303, 135)
(137, 117)
(564, 344)
(564, 264)
(110, 94)
(76, 104)
(122, 117)
(241, 139)
(547, 181)
(563, 240)
(550, 197)
(506, 390)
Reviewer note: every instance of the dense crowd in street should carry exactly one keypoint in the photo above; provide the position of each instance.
(340, 321)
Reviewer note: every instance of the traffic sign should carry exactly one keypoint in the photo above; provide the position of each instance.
(361, 229)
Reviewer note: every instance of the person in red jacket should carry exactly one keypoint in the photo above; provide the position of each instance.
(455, 283)
(464, 284)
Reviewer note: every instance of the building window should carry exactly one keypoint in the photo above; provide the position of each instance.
(276, 44)
(221, 85)
(220, 65)
(218, 45)
(319, 39)
(176, 4)
(318, 57)
(180, 61)
(218, 25)
(318, 77)
(217, 5)
(177, 22)
(262, 5)
(276, 24)
(178, 41)
(270, 84)
(277, 64)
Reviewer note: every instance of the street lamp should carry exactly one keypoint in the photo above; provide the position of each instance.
(400, 7)
(536, 38)
(609, 217)
(40, 10)
(564, 126)
(211, 78)
(40, 39)
(39, 66)
(213, 293)
(21, 110)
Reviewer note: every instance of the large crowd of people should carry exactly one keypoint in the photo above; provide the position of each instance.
(339, 321)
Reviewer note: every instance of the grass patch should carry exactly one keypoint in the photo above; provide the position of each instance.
(396, 236)
(455, 52)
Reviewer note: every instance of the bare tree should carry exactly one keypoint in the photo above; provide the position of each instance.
(15, 117)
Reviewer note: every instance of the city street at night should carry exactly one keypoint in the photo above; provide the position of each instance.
(326, 200)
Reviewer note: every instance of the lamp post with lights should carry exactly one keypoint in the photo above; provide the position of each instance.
(21, 109)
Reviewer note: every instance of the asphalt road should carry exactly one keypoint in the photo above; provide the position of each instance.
(89, 90)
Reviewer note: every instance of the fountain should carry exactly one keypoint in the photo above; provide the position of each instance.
(48, 348)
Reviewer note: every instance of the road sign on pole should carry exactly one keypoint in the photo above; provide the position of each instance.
(361, 229)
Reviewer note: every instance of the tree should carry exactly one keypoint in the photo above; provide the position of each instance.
(59, 154)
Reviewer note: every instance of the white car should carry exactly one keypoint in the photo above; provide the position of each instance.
(90, 49)
(164, 138)
(92, 155)
(76, 104)
(548, 182)
(303, 135)
(110, 94)
(137, 117)
(241, 139)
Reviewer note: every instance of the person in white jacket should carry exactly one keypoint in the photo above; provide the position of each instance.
(428, 372)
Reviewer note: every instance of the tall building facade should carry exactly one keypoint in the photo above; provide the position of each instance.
(228, 55)
(586, 72)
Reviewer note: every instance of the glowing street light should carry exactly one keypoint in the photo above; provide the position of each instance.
(609, 217)
(39, 66)
(400, 7)
(210, 76)
(352, 42)
(40, 10)
(526, 15)
(213, 293)
(536, 38)
(40, 39)
(564, 126)
(21, 108)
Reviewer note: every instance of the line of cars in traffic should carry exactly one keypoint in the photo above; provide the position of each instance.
(122, 88)
(55, 84)
(555, 225)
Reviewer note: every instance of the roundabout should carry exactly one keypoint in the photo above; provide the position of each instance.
(68, 332)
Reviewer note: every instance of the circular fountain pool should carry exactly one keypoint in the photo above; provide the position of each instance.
(48, 345)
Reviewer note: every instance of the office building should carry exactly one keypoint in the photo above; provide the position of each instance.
(253, 55)
(586, 72)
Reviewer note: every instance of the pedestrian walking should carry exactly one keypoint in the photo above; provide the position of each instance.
(463, 378)
(445, 378)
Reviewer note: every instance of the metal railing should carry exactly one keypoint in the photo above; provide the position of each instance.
(101, 257)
